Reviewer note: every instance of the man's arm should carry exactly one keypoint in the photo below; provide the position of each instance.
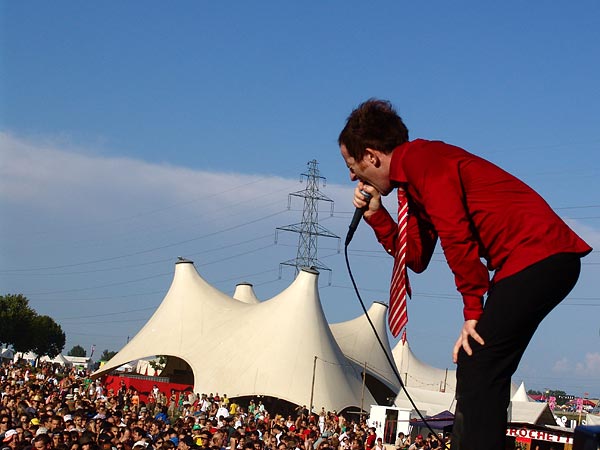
(421, 237)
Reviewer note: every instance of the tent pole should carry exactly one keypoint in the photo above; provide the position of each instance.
(362, 395)
(312, 387)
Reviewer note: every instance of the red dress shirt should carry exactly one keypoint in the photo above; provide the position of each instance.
(478, 210)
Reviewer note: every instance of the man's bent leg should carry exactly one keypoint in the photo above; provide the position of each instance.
(513, 310)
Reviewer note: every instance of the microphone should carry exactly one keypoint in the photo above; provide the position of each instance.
(356, 218)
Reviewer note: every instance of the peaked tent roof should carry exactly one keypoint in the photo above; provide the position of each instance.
(416, 373)
(521, 394)
(359, 344)
(209, 330)
(58, 359)
(244, 292)
(533, 413)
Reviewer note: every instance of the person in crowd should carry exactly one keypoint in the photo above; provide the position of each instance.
(102, 417)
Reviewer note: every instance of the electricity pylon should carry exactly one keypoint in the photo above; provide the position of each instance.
(309, 229)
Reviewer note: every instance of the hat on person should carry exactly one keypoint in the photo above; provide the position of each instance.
(188, 440)
(420, 436)
(67, 417)
(174, 440)
(41, 430)
(9, 435)
(196, 427)
(34, 421)
(69, 397)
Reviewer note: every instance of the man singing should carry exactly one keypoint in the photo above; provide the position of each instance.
(478, 211)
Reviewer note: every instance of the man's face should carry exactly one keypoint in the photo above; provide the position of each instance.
(371, 170)
(39, 445)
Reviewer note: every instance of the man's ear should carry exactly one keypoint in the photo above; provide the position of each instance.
(373, 156)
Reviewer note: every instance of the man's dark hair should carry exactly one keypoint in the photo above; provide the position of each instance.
(373, 124)
(43, 438)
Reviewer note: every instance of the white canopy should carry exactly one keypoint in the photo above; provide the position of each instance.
(416, 373)
(210, 331)
(244, 292)
(58, 359)
(360, 345)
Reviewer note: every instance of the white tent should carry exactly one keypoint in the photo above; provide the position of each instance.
(210, 331)
(521, 394)
(416, 373)
(58, 359)
(360, 345)
(534, 413)
(244, 292)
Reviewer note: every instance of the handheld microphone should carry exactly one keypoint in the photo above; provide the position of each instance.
(356, 218)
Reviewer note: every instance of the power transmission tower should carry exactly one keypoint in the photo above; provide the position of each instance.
(309, 229)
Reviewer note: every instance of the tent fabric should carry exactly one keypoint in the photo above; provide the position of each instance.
(521, 394)
(533, 413)
(360, 345)
(209, 331)
(416, 373)
(244, 292)
(427, 401)
(58, 359)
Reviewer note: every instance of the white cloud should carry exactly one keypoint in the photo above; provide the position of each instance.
(561, 366)
(46, 177)
(590, 367)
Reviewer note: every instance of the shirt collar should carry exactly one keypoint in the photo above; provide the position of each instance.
(397, 174)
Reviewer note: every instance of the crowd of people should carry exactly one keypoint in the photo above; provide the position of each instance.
(55, 408)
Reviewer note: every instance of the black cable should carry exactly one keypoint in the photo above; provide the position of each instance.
(389, 359)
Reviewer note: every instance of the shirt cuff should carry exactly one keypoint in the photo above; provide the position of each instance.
(473, 307)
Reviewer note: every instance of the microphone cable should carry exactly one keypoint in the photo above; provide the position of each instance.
(388, 357)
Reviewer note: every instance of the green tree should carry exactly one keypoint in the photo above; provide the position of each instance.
(48, 337)
(77, 350)
(106, 355)
(16, 316)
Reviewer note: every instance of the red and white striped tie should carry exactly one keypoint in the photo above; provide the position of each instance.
(399, 288)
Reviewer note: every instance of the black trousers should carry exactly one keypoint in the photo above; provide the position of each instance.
(514, 308)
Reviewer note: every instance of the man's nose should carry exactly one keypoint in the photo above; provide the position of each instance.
(353, 176)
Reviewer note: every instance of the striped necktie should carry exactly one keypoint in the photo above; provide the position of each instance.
(397, 316)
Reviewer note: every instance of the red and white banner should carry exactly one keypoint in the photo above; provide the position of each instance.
(524, 433)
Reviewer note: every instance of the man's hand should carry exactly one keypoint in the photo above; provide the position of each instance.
(468, 329)
(359, 199)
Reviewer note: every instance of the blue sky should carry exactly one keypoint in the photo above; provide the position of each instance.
(135, 132)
